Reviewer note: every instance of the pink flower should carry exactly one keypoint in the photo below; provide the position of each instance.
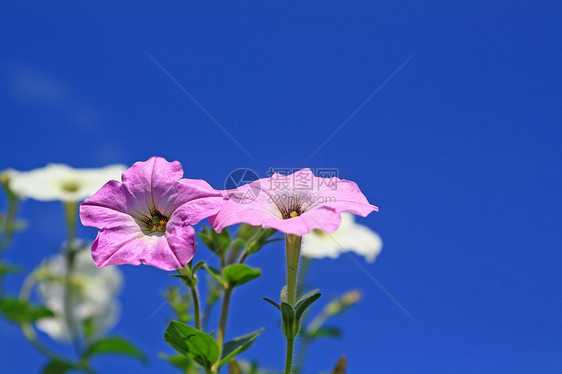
(293, 204)
(148, 217)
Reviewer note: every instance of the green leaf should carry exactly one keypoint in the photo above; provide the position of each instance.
(216, 274)
(195, 344)
(57, 367)
(218, 243)
(205, 237)
(238, 274)
(325, 332)
(115, 345)
(20, 311)
(272, 303)
(236, 346)
(221, 240)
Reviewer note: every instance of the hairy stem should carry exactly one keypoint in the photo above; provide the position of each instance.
(293, 244)
(289, 357)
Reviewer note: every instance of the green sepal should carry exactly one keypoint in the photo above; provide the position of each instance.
(193, 343)
(289, 325)
(306, 302)
(306, 296)
(198, 266)
(273, 303)
(236, 346)
(20, 311)
(238, 274)
(115, 345)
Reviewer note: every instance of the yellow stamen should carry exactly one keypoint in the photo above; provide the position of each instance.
(293, 214)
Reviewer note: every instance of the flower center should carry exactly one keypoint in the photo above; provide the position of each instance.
(320, 232)
(70, 186)
(293, 214)
(156, 222)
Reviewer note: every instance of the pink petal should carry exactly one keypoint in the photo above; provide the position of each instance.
(323, 218)
(194, 211)
(348, 198)
(181, 240)
(107, 208)
(121, 245)
(147, 181)
(248, 203)
(187, 190)
(163, 256)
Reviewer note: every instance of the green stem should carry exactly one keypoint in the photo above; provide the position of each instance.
(301, 354)
(222, 325)
(70, 209)
(293, 244)
(224, 315)
(9, 223)
(70, 212)
(197, 315)
(242, 257)
(289, 357)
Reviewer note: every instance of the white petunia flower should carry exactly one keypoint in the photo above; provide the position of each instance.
(94, 294)
(350, 235)
(61, 182)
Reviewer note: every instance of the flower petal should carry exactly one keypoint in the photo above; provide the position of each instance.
(107, 208)
(185, 191)
(181, 241)
(323, 218)
(122, 245)
(248, 203)
(147, 181)
(346, 197)
(164, 257)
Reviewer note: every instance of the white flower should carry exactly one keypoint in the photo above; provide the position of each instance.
(350, 235)
(94, 294)
(61, 182)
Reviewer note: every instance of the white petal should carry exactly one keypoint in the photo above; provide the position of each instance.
(61, 182)
(350, 236)
(94, 290)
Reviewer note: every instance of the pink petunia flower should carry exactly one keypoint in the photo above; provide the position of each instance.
(294, 204)
(148, 217)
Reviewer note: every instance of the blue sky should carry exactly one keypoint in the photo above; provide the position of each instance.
(460, 150)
